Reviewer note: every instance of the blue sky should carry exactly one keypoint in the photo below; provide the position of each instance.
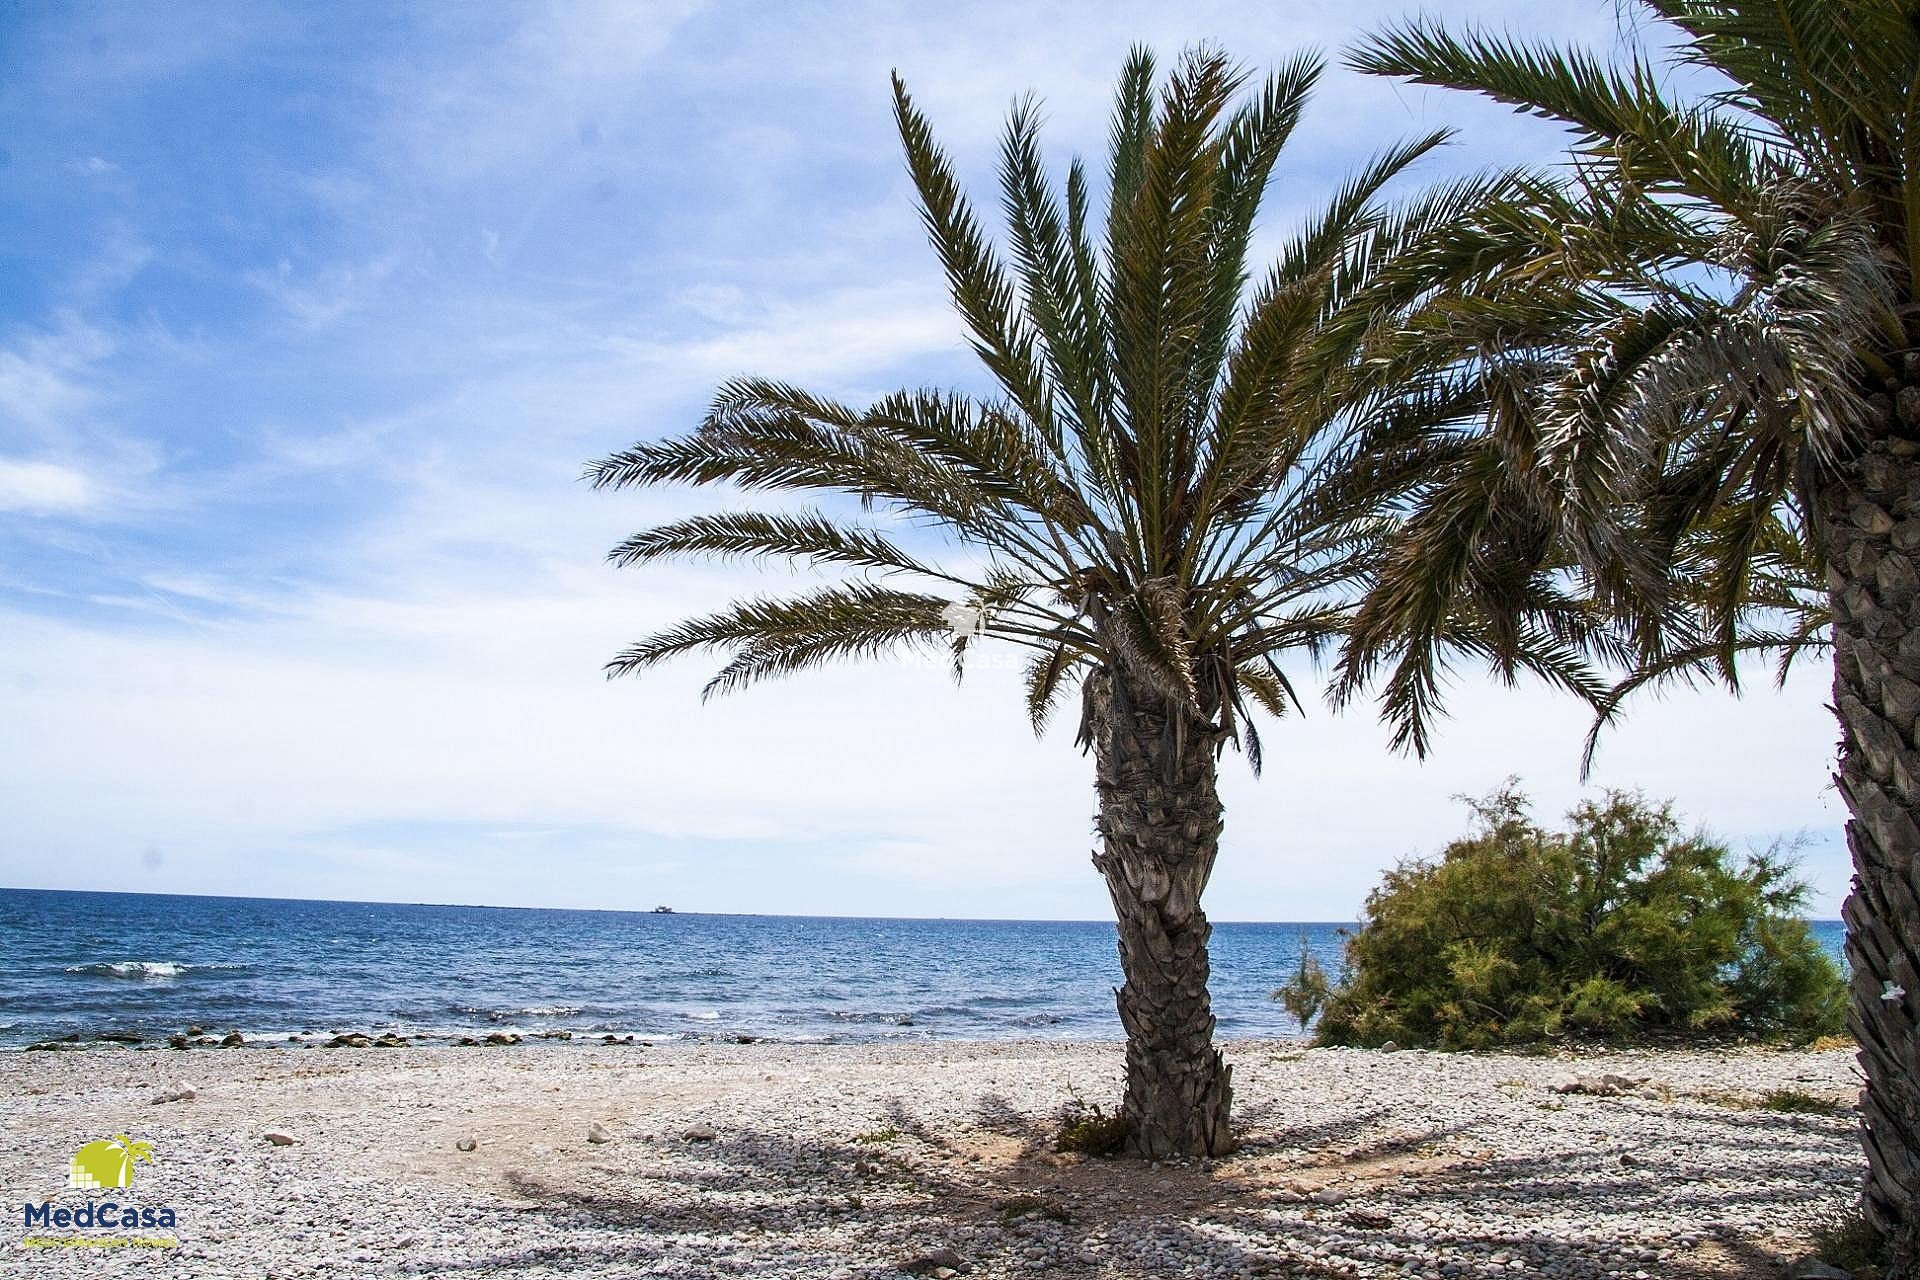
(309, 317)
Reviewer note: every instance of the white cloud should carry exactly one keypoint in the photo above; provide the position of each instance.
(46, 377)
(832, 336)
(315, 728)
(41, 487)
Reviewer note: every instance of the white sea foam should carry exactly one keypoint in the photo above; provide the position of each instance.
(145, 970)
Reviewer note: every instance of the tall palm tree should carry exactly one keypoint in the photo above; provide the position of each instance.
(1705, 332)
(1159, 504)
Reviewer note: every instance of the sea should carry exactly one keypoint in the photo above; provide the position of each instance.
(151, 965)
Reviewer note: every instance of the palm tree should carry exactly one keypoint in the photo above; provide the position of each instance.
(1703, 334)
(1159, 504)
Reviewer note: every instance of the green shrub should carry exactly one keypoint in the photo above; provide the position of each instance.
(1305, 993)
(1801, 1103)
(1848, 1241)
(1787, 1101)
(1619, 928)
(1090, 1131)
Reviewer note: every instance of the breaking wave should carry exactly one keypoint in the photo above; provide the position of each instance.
(143, 970)
(149, 970)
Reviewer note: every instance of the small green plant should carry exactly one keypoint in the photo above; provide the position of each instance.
(1014, 1208)
(888, 1134)
(1305, 993)
(1620, 928)
(1085, 1128)
(1796, 1102)
(1848, 1241)
(1785, 1101)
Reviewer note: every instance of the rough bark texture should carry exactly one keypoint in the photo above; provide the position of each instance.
(1868, 519)
(1160, 829)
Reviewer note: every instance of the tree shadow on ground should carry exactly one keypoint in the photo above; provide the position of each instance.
(995, 1114)
(755, 1203)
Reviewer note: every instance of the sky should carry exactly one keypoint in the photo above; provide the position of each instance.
(310, 316)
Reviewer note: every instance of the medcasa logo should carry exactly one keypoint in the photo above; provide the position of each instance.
(106, 1165)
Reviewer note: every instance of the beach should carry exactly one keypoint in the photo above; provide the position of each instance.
(787, 1160)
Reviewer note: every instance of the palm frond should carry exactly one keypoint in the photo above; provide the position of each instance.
(1620, 112)
(1047, 676)
(808, 537)
(776, 637)
(1175, 486)
(978, 282)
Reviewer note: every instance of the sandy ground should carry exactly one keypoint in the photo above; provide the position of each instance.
(852, 1161)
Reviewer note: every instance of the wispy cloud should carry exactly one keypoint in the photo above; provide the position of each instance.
(43, 487)
(46, 378)
(334, 292)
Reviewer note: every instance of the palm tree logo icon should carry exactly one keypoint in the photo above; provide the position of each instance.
(108, 1162)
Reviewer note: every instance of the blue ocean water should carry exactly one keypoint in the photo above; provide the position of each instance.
(154, 964)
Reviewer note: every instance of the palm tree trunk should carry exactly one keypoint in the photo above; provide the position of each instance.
(1868, 519)
(1160, 831)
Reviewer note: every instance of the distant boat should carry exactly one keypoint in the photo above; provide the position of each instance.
(663, 911)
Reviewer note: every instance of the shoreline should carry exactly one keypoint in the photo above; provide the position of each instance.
(792, 1160)
(510, 1037)
(201, 1042)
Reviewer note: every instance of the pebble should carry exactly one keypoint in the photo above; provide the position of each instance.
(1357, 1165)
(597, 1133)
(940, 1263)
(278, 1138)
(179, 1093)
(1607, 1085)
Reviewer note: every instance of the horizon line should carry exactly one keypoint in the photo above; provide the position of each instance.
(625, 911)
(647, 911)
